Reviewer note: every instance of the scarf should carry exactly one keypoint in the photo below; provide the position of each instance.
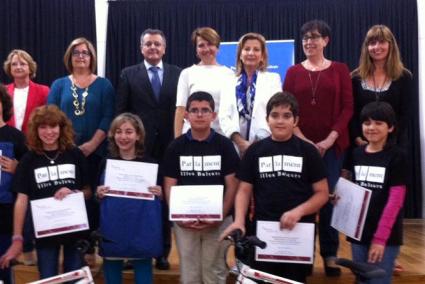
(245, 94)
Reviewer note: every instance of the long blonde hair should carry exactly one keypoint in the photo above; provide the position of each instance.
(394, 67)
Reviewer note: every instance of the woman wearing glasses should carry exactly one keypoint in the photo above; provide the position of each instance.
(26, 94)
(88, 101)
(324, 93)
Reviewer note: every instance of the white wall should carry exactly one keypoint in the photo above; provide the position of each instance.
(101, 25)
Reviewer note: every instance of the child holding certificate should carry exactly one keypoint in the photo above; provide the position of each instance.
(287, 178)
(133, 227)
(381, 167)
(201, 156)
(12, 148)
(53, 167)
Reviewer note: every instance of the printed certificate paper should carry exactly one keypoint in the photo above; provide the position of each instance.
(295, 246)
(57, 217)
(130, 179)
(350, 211)
(203, 202)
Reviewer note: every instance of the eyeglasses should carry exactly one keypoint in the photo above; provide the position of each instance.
(16, 64)
(84, 53)
(202, 111)
(313, 37)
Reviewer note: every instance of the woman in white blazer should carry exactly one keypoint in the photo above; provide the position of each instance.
(242, 112)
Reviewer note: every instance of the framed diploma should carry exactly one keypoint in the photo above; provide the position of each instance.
(57, 217)
(130, 179)
(284, 245)
(203, 202)
(350, 211)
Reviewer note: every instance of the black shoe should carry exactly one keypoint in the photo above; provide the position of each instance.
(331, 269)
(162, 263)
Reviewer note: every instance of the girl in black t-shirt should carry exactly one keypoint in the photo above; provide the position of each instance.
(380, 166)
(53, 167)
(133, 225)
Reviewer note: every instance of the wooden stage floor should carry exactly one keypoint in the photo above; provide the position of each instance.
(412, 258)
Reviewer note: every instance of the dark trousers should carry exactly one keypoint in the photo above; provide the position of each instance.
(5, 242)
(328, 236)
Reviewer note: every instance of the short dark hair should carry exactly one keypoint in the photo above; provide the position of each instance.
(153, 32)
(283, 99)
(381, 111)
(6, 102)
(200, 96)
(321, 26)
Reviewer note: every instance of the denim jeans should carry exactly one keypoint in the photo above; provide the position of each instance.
(48, 259)
(112, 271)
(5, 242)
(328, 236)
(360, 254)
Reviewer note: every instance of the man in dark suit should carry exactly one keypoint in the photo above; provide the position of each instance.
(148, 90)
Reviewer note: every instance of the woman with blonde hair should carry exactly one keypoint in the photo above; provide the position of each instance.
(206, 76)
(242, 111)
(381, 76)
(26, 94)
(50, 140)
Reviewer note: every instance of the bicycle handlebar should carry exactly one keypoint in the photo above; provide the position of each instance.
(237, 237)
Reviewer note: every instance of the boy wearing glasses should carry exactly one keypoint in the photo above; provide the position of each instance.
(201, 254)
(287, 178)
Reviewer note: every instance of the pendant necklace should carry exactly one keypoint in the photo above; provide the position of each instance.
(52, 160)
(314, 87)
(316, 84)
(377, 89)
(79, 111)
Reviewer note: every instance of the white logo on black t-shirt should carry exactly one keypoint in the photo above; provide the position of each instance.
(370, 177)
(52, 173)
(200, 163)
(280, 162)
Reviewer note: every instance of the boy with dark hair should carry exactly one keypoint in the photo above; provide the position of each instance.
(201, 254)
(287, 178)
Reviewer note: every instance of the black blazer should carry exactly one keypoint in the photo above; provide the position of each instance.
(135, 95)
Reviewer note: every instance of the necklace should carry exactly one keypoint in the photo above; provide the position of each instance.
(376, 88)
(316, 84)
(79, 111)
(52, 160)
(314, 87)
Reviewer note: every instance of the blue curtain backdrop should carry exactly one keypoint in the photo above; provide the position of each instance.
(275, 19)
(44, 28)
